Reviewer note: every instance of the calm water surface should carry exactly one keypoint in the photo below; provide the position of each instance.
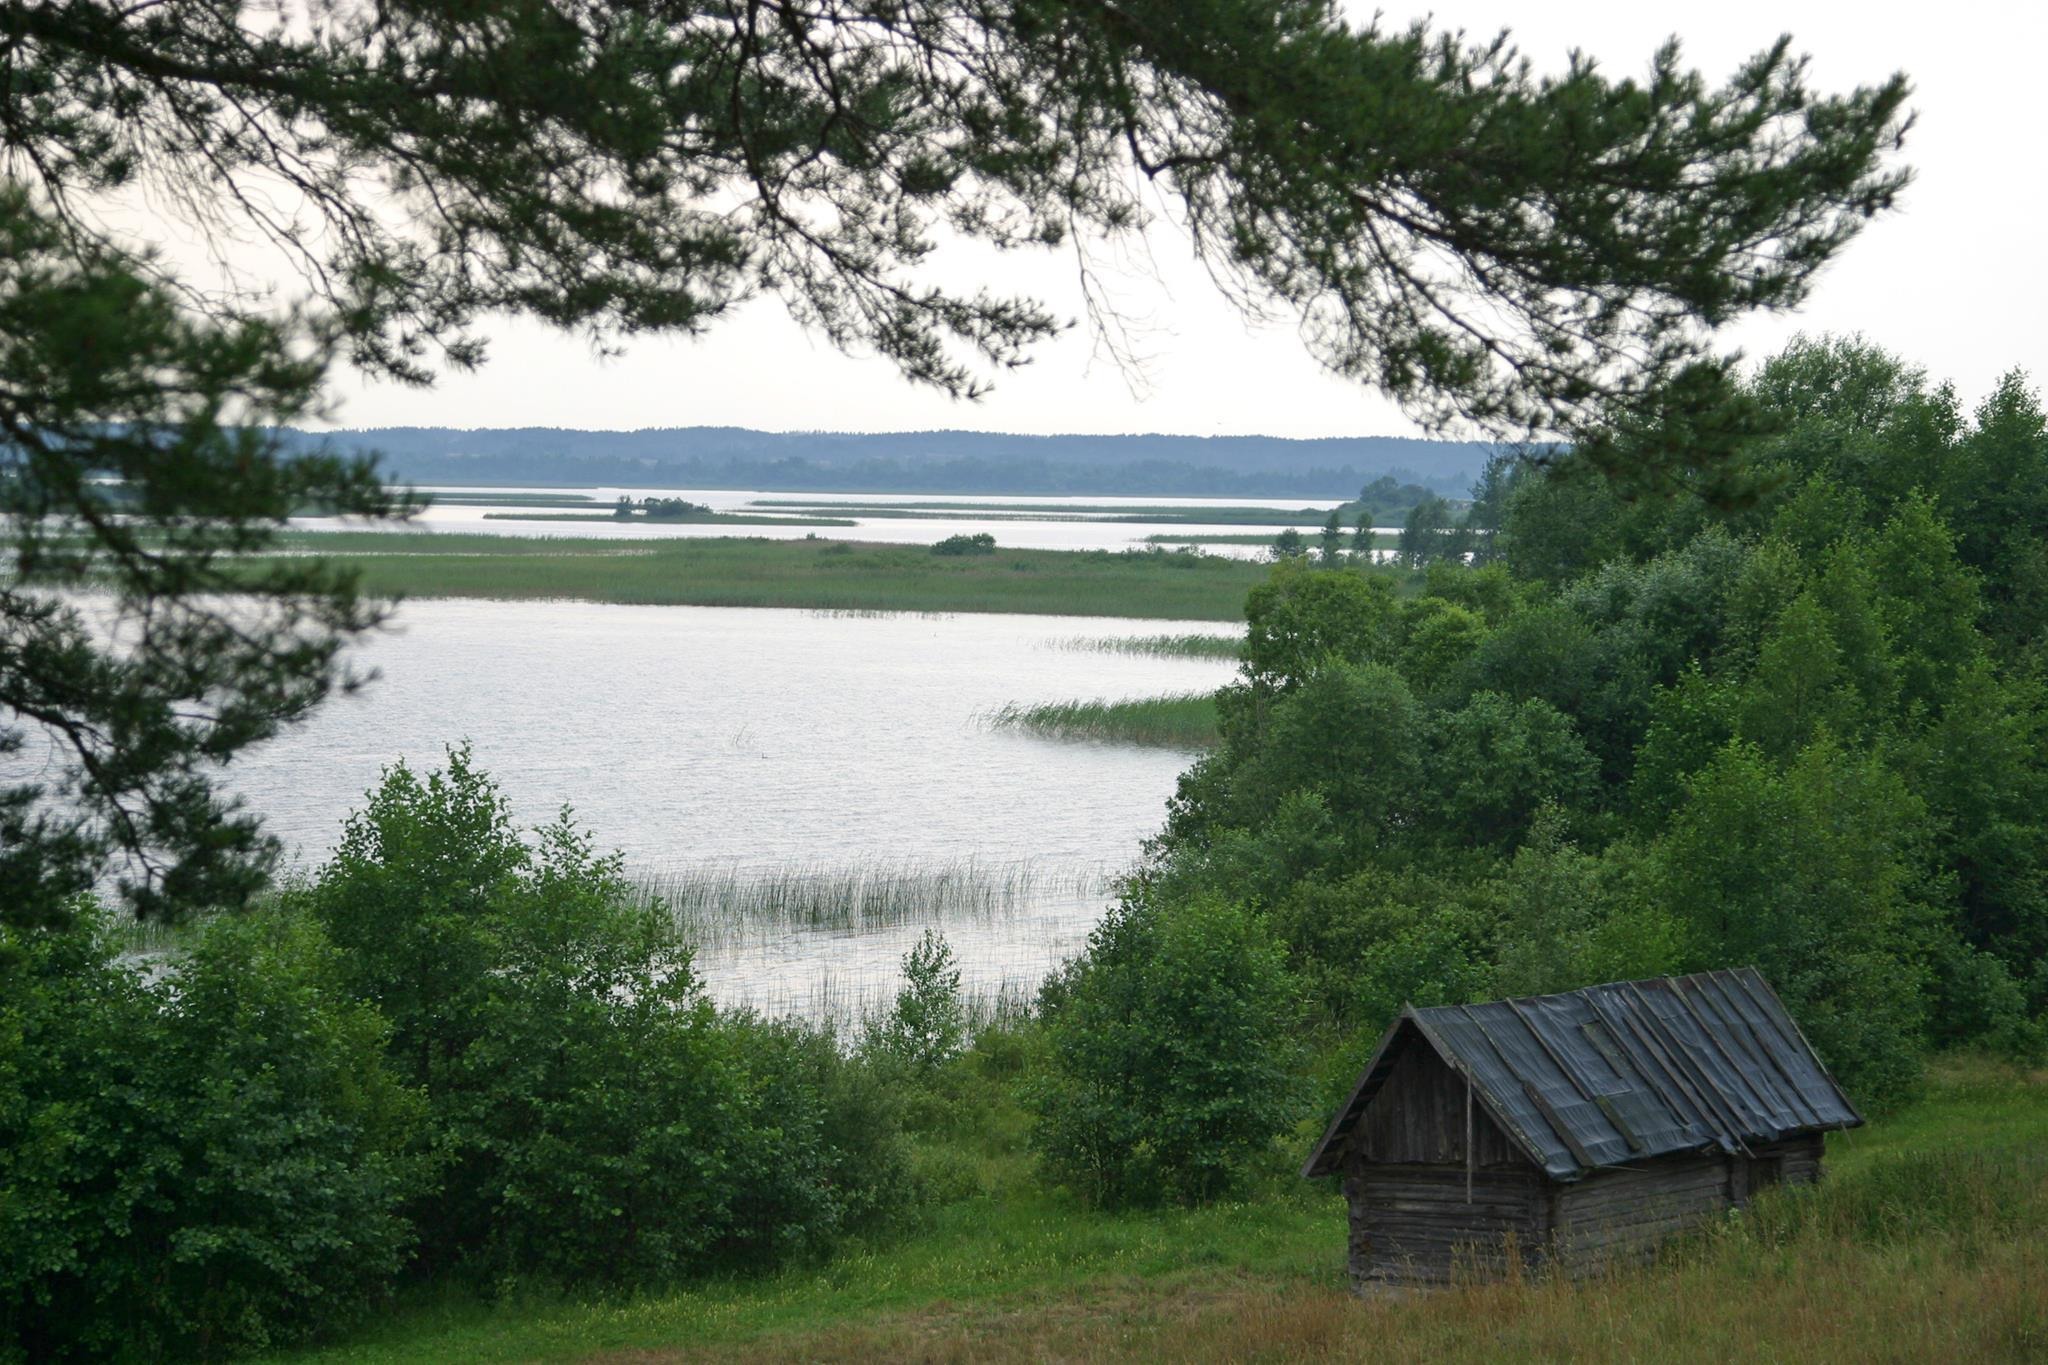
(1051, 531)
(757, 738)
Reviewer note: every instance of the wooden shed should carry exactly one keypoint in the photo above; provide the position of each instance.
(1575, 1129)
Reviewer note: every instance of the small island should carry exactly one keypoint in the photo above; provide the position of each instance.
(660, 509)
(672, 512)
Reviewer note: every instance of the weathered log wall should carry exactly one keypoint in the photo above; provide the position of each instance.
(1414, 1225)
(1625, 1214)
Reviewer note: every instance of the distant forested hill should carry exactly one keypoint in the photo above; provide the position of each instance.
(915, 462)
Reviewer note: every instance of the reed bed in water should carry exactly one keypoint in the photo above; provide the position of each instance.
(724, 905)
(1183, 720)
(845, 1007)
(1192, 645)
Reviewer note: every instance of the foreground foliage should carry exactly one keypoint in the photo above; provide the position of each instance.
(595, 1116)
(455, 1053)
(199, 1163)
(685, 163)
(119, 706)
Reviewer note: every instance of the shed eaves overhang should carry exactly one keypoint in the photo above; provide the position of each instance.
(1620, 1073)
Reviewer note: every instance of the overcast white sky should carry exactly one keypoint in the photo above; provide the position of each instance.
(1955, 280)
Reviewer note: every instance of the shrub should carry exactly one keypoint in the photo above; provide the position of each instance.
(601, 1120)
(1174, 1058)
(213, 1163)
(829, 1143)
(981, 543)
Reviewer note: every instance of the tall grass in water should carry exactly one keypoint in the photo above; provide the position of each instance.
(845, 1007)
(1193, 645)
(1183, 720)
(726, 905)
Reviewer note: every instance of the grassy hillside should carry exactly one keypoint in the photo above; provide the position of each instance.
(1926, 1242)
(822, 575)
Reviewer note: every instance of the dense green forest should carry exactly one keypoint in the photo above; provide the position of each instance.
(1645, 737)
(1626, 738)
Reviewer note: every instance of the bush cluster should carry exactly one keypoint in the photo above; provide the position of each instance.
(453, 1050)
(980, 543)
(196, 1164)
(1175, 1055)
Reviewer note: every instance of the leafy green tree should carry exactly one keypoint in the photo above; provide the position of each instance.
(1488, 509)
(1497, 762)
(414, 896)
(1558, 525)
(1998, 481)
(1174, 1055)
(1301, 617)
(1547, 651)
(1348, 733)
(1572, 918)
(1362, 543)
(1980, 769)
(1424, 533)
(927, 1025)
(1813, 875)
(1799, 686)
(1440, 637)
(979, 543)
(1289, 544)
(1854, 591)
(1365, 944)
(1691, 721)
(1332, 545)
(1490, 591)
(1931, 603)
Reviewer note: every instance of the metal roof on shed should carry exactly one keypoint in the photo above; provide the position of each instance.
(1619, 1073)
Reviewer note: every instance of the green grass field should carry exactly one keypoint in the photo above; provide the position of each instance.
(1927, 1241)
(821, 575)
(1186, 720)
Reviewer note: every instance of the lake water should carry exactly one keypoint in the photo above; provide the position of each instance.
(1051, 531)
(741, 740)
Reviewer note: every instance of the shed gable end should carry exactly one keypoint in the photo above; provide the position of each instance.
(1421, 1113)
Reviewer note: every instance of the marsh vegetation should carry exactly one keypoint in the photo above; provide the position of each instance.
(1184, 721)
(831, 575)
(1186, 645)
(726, 905)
